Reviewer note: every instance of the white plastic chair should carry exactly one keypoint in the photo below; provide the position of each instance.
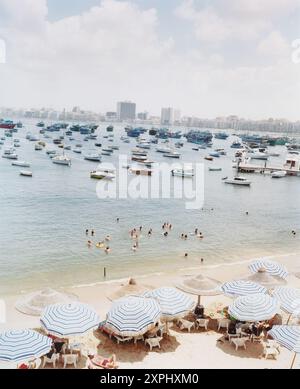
(239, 342)
(123, 340)
(203, 323)
(186, 325)
(70, 359)
(76, 347)
(153, 342)
(223, 323)
(54, 358)
(270, 352)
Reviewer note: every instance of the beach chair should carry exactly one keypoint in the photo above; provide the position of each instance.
(239, 342)
(273, 344)
(77, 348)
(186, 325)
(153, 342)
(223, 323)
(202, 323)
(270, 352)
(70, 359)
(137, 338)
(54, 358)
(36, 364)
(121, 339)
(257, 338)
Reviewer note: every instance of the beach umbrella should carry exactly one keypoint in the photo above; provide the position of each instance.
(266, 279)
(173, 303)
(34, 303)
(200, 286)
(242, 288)
(23, 345)
(272, 267)
(289, 299)
(133, 316)
(254, 307)
(287, 336)
(69, 319)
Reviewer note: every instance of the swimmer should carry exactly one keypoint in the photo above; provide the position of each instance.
(141, 228)
(202, 260)
(107, 249)
(118, 219)
(170, 226)
(166, 234)
(108, 238)
(196, 231)
(186, 255)
(150, 232)
(92, 232)
(134, 247)
(89, 243)
(86, 232)
(247, 213)
(185, 237)
(182, 236)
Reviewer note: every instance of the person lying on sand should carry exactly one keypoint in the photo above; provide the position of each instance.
(96, 362)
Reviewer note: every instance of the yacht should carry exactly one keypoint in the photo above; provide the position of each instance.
(21, 164)
(94, 157)
(278, 174)
(62, 160)
(241, 181)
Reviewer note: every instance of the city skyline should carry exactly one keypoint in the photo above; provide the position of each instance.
(210, 58)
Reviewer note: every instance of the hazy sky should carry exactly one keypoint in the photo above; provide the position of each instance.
(207, 58)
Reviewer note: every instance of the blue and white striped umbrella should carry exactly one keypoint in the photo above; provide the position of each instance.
(241, 288)
(289, 298)
(254, 307)
(23, 345)
(69, 319)
(274, 268)
(287, 336)
(133, 316)
(173, 303)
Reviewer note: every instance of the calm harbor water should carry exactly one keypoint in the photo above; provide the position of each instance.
(43, 219)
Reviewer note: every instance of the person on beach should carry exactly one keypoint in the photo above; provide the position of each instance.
(134, 247)
(202, 260)
(170, 226)
(141, 227)
(200, 235)
(185, 237)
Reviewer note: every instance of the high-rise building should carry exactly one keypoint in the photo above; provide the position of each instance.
(143, 115)
(126, 110)
(170, 116)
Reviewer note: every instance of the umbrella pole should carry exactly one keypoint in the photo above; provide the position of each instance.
(293, 361)
(289, 319)
(199, 300)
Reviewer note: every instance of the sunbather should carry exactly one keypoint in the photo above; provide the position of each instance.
(96, 361)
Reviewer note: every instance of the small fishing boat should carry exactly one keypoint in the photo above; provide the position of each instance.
(25, 173)
(172, 154)
(215, 169)
(139, 158)
(21, 164)
(93, 157)
(62, 160)
(189, 173)
(241, 181)
(108, 174)
(214, 155)
(209, 158)
(278, 174)
(77, 151)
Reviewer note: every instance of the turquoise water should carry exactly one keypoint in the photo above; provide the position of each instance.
(43, 220)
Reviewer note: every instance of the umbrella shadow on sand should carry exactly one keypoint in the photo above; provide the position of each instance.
(129, 352)
(253, 351)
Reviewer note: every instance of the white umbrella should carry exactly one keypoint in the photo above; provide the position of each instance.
(23, 345)
(254, 307)
(173, 303)
(69, 319)
(289, 299)
(272, 267)
(287, 336)
(241, 288)
(266, 279)
(133, 316)
(34, 303)
(200, 286)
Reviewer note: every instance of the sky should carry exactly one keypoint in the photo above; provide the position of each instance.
(206, 57)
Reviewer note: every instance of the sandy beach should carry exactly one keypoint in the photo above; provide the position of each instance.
(198, 349)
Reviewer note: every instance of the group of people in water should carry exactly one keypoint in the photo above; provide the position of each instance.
(99, 245)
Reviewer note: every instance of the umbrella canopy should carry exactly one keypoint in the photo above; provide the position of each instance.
(254, 307)
(289, 298)
(200, 286)
(173, 303)
(287, 336)
(34, 303)
(129, 290)
(266, 279)
(242, 288)
(133, 316)
(69, 319)
(23, 345)
(274, 268)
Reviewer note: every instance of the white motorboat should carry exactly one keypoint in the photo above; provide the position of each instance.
(93, 157)
(62, 160)
(172, 154)
(241, 181)
(77, 151)
(107, 174)
(21, 164)
(10, 156)
(278, 174)
(164, 150)
(261, 156)
(25, 173)
(189, 173)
